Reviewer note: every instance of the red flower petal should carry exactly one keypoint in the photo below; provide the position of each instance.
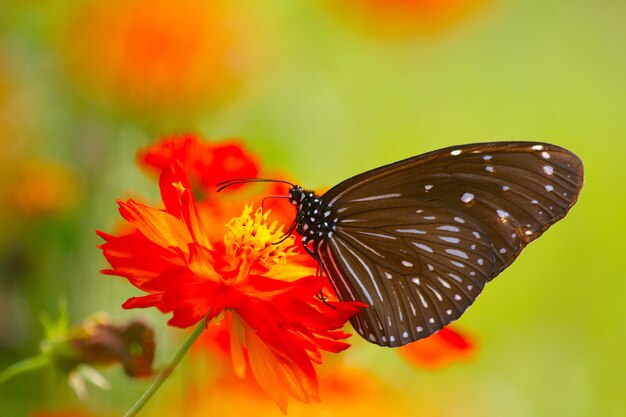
(206, 163)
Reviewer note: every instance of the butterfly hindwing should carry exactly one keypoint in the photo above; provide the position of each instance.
(418, 269)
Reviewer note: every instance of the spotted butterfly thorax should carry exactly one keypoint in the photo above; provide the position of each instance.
(418, 239)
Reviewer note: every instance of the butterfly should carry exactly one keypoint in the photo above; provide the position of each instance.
(418, 239)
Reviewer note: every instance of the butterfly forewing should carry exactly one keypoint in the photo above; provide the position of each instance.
(418, 239)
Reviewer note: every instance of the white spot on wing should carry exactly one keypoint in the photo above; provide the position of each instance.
(545, 155)
(487, 157)
(489, 168)
(416, 280)
(444, 282)
(467, 197)
(407, 264)
(449, 228)
(538, 147)
(413, 231)
(502, 213)
(505, 188)
(549, 188)
(548, 170)
(428, 187)
(383, 235)
(450, 239)
(459, 220)
(434, 291)
(422, 299)
(454, 277)
(458, 253)
(423, 247)
(376, 197)
(455, 152)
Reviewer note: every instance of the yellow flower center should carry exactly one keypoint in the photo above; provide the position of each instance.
(251, 238)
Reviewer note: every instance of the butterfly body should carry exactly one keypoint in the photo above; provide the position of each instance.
(417, 240)
(315, 221)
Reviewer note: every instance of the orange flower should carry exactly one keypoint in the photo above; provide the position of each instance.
(278, 327)
(408, 17)
(443, 348)
(43, 187)
(152, 54)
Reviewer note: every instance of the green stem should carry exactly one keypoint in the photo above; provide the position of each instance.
(26, 365)
(167, 371)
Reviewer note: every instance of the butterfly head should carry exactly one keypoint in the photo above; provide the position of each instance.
(296, 195)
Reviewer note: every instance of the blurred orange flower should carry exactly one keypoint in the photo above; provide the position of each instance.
(160, 54)
(443, 348)
(410, 17)
(42, 187)
(251, 278)
(344, 391)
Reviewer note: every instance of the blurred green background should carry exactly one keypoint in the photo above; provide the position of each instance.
(321, 91)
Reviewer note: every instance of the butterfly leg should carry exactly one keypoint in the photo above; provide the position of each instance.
(287, 233)
(320, 267)
(320, 270)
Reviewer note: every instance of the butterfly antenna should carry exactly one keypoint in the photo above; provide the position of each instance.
(228, 183)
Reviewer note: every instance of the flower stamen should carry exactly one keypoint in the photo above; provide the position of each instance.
(251, 238)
